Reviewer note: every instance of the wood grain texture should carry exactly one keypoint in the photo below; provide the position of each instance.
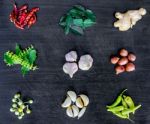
(48, 85)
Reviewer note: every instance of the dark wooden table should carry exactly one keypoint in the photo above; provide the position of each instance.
(48, 85)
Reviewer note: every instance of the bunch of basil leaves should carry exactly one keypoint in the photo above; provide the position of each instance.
(77, 19)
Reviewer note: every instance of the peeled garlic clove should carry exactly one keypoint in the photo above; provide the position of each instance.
(69, 112)
(75, 110)
(79, 102)
(67, 102)
(72, 95)
(81, 113)
(70, 68)
(85, 62)
(71, 56)
(85, 99)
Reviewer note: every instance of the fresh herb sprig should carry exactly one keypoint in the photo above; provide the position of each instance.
(26, 58)
(77, 19)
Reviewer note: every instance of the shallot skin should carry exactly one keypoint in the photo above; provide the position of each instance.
(123, 52)
(114, 60)
(131, 57)
(119, 69)
(130, 67)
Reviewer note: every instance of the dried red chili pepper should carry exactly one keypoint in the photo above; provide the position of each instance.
(21, 17)
(30, 14)
(31, 21)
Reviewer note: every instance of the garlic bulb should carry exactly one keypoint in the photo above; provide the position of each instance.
(71, 56)
(85, 62)
(70, 68)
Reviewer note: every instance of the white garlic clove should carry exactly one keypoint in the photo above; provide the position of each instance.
(72, 95)
(85, 99)
(71, 56)
(75, 110)
(69, 112)
(79, 102)
(70, 68)
(67, 102)
(85, 62)
(81, 113)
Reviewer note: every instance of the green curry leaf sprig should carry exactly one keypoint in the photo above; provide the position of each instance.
(26, 58)
(123, 106)
(77, 19)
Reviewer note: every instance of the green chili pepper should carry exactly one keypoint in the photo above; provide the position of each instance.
(131, 110)
(119, 114)
(116, 109)
(124, 103)
(129, 102)
(118, 100)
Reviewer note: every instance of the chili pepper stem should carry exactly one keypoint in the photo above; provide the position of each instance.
(131, 120)
(123, 92)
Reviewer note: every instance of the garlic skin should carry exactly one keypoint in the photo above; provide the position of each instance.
(71, 56)
(70, 68)
(85, 62)
(128, 20)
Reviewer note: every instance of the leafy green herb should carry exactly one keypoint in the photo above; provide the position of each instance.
(77, 19)
(26, 58)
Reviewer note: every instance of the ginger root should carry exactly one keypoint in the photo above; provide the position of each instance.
(128, 19)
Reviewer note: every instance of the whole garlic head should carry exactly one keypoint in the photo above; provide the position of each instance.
(85, 62)
(70, 68)
(71, 56)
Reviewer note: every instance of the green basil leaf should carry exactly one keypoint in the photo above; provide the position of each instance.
(62, 24)
(32, 56)
(78, 22)
(8, 60)
(68, 24)
(77, 30)
(88, 23)
(18, 50)
(24, 70)
(79, 7)
(90, 15)
(62, 19)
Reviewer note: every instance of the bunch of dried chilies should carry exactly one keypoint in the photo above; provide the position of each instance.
(123, 106)
(23, 17)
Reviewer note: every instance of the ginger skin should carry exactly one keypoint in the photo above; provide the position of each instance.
(128, 19)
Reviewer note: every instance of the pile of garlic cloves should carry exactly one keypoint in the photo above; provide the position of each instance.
(71, 66)
(75, 105)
